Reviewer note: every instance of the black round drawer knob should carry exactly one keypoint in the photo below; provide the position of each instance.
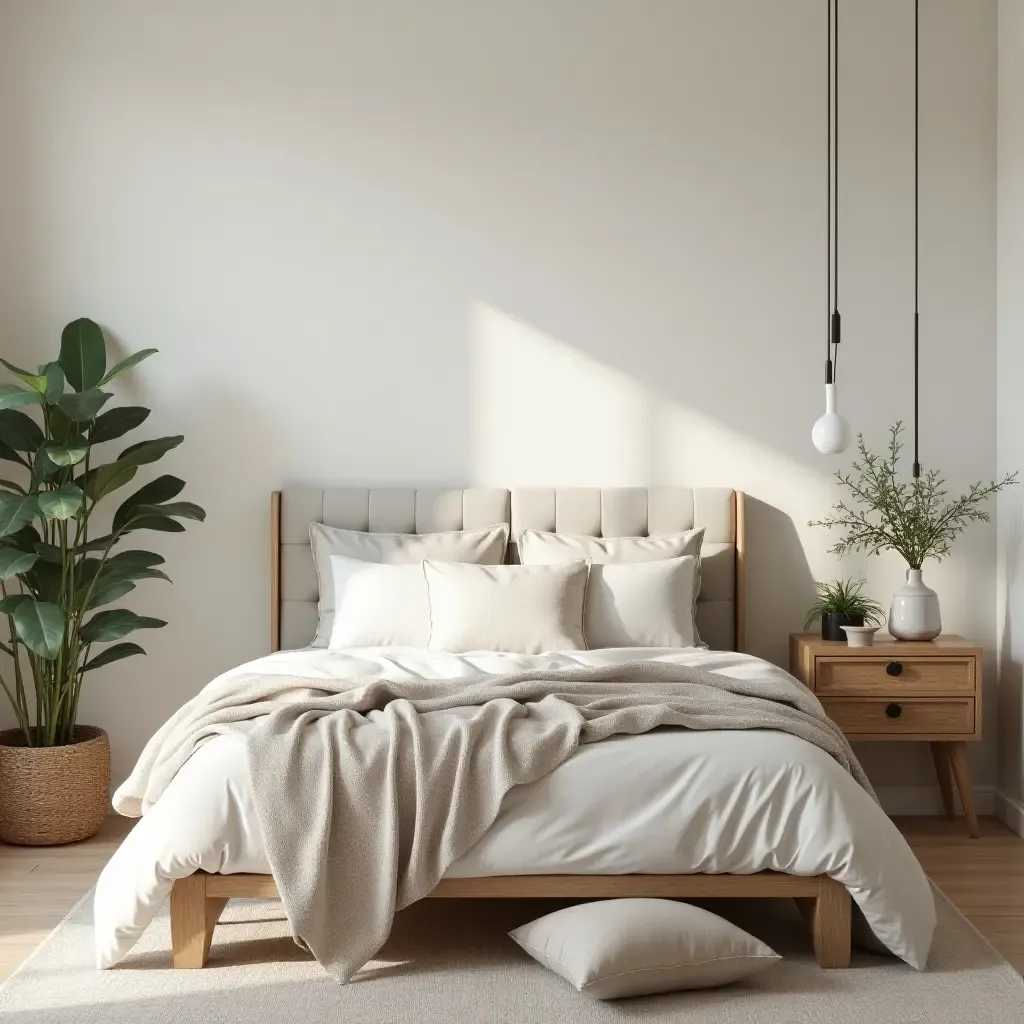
(894, 668)
(893, 710)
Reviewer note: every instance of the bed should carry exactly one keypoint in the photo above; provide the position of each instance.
(754, 814)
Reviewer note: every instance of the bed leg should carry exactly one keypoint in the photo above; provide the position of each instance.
(193, 918)
(830, 916)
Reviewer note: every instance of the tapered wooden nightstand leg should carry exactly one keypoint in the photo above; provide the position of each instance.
(957, 753)
(944, 771)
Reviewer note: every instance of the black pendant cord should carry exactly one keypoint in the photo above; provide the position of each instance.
(828, 199)
(835, 322)
(917, 313)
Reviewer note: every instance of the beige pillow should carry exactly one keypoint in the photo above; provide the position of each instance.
(379, 605)
(642, 604)
(536, 547)
(636, 947)
(606, 626)
(486, 546)
(523, 609)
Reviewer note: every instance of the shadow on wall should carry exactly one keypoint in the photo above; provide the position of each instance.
(778, 577)
(1010, 700)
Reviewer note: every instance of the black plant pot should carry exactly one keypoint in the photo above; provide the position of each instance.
(832, 623)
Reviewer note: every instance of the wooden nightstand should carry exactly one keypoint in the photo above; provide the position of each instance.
(899, 690)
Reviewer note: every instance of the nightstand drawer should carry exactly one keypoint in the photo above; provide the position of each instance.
(882, 717)
(897, 676)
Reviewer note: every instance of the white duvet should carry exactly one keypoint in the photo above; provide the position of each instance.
(667, 802)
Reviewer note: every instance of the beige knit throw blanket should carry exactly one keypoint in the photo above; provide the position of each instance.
(367, 792)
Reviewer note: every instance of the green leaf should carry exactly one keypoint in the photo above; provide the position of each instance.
(8, 454)
(92, 574)
(62, 503)
(9, 604)
(163, 488)
(177, 509)
(132, 559)
(117, 422)
(41, 625)
(83, 406)
(162, 524)
(13, 485)
(11, 396)
(16, 370)
(97, 543)
(43, 469)
(13, 561)
(112, 654)
(16, 511)
(106, 591)
(104, 479)
(36, 381)
(67, 453)
(126, 364)
(61, 427)
(48, 552)
(54, 382)
(149, 451)
(19, 431)
(45, 578)
(114, 624)
(83, 354)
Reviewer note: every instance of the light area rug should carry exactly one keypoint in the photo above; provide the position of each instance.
(450, 961)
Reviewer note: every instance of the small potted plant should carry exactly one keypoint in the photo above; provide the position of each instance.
(842, 604)
(59, 575)
(915, 518)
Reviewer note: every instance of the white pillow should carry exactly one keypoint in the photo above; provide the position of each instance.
(379, 605)
(536, 547)
(524, 609)
(642, 604)
(486, 546)
(635, 947)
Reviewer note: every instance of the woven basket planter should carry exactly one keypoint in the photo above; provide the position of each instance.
(53, 795)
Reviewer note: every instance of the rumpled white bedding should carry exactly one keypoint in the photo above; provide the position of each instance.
(667, 802)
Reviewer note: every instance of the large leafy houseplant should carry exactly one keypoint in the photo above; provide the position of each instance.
(59, 574)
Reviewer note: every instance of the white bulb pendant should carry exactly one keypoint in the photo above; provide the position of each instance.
(831, 434)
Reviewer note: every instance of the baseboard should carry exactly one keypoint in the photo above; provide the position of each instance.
(1009, 811)
(926, 799)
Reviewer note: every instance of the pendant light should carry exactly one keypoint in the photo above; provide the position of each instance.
(831, 434)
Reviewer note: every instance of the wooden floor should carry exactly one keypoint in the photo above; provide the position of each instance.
(984, 877)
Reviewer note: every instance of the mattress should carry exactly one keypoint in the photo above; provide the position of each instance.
(666, 802)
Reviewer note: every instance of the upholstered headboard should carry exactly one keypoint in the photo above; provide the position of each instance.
(600, 512)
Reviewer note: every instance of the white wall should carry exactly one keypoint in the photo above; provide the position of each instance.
(476, 241)
(1010, 417)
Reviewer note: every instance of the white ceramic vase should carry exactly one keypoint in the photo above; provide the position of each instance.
(914, 614)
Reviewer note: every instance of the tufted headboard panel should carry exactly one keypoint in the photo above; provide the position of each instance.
(600, 512)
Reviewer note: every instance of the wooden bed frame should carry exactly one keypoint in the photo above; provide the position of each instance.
(198, 900)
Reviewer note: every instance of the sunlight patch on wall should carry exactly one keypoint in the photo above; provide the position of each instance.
(546, 414)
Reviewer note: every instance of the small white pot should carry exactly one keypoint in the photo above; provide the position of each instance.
(914, 614)
(860, 636)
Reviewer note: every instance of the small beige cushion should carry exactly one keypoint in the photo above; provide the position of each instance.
(523, 609)
(642, 604)
(536, 547)
(636, 947)
(486, 546)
